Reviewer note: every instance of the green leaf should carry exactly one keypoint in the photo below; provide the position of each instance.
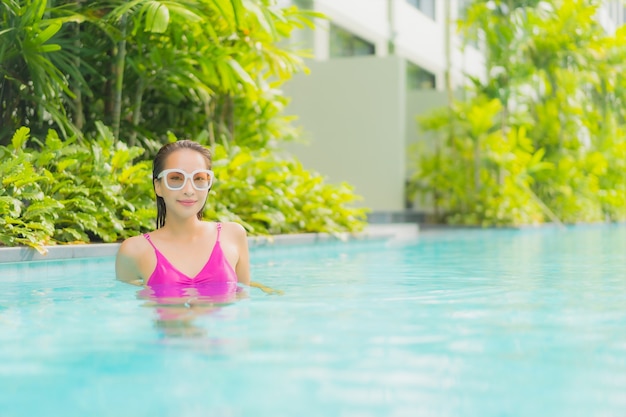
(10, 206)
(262, 15)
(186, 13)
(51, 47)
(225, 7)
(20, 137)
(241, 73)
(157, 17)
(48, 32)
(238, 12)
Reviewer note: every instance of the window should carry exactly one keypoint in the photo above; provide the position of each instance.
(417, 78)
(344, 43)
(425, 6)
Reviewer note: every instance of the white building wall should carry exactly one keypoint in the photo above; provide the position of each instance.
(365, 18)
(416, 37)
(419, 38)
(356, 111)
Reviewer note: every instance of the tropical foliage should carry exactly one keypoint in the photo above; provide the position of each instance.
(274, 194)
(542, 136)
(146, 67)
(99, 86)
(73, 193)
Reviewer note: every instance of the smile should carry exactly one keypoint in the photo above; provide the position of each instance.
(187, 202)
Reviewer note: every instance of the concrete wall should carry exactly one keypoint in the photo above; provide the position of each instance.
(353, 112)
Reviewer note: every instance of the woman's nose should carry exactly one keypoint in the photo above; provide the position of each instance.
(188, 188)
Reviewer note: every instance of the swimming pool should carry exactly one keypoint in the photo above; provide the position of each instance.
(458, 323)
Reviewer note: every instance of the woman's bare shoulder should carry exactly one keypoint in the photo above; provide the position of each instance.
(235, 233)
(235, 229)
(134, 247)
(130, 258)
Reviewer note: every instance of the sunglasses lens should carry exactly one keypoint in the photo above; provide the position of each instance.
(202, 180)
(175, 180)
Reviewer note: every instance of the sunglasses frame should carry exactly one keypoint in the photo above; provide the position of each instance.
(164, 173)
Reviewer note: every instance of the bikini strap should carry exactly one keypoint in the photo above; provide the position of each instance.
(147, 236)
(219, 228)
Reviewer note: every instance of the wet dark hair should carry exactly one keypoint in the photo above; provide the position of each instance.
(159, 163)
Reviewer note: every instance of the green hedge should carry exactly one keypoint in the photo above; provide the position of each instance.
(56, 191)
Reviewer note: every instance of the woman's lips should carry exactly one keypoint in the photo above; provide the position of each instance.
(187, 202)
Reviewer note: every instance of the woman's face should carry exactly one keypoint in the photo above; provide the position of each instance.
(187, 201)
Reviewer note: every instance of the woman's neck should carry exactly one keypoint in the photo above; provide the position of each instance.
(183, 228)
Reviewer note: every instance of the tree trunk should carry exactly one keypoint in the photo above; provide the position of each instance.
(120, 58)
(132, 141)
(79, 115)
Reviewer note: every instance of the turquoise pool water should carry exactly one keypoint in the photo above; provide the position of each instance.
(459, 323)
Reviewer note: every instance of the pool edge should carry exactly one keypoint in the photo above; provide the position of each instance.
(395, 231)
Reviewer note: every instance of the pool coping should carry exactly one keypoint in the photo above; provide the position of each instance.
(396, 231)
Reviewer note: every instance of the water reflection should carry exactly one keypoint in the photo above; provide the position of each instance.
(178, 308)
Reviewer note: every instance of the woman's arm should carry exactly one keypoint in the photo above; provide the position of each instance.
(243, 262)
(242, 269)
(126, 264)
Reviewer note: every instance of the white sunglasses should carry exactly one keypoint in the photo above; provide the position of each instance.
(176, 179)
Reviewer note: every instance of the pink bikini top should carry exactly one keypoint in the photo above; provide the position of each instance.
(217, 277)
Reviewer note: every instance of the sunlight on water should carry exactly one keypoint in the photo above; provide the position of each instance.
(459, 323)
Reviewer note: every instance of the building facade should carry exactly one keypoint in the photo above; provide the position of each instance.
(377, 64)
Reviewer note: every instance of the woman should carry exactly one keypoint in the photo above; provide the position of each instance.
(185, 257)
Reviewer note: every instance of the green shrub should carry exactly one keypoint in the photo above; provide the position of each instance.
(70, 192)
(78, 192)
(270, 194)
